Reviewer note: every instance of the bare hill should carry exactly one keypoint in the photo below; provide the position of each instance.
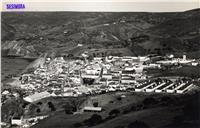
(36, 33)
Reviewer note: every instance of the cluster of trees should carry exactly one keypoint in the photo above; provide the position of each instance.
(96, 119)
(93, 120)
(37, 107)
(73, 105)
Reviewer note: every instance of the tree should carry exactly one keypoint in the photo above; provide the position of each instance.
(24, 105)
(95, 104)
(51, 106)
(68, 108)
(38, 110)
(39, 103)
(75, 103)
(114, 113)
(139, 107)
(119, 98)
(138, 124)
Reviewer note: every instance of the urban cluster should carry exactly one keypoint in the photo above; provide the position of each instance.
(75, 77)
(60, 77)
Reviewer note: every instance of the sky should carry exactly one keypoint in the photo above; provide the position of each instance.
(105, 5)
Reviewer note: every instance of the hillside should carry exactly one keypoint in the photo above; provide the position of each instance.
(31, 34)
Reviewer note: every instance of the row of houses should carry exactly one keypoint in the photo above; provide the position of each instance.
(167, 87)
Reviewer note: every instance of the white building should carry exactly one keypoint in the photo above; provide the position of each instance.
(37, 96)
(16, 121)
(184, 88)
(107, 76)
(92, 109)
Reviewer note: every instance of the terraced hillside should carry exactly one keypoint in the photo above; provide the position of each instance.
(31, 34)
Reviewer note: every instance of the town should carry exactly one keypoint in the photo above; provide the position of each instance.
(59, 77)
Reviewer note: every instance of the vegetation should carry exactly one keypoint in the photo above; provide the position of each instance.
(114, 113)
(141, 33)
(51, 106)
(93, 120)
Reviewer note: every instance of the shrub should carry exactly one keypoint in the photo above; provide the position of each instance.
(95, 104)
(93, 120)
(38, 110)
(51, 106)
(39, 103)
(114, 112)
(68, 111)
(119, 98)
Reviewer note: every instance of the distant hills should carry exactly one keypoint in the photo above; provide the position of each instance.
(31, 34)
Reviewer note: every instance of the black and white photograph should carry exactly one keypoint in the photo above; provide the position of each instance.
(100, 69)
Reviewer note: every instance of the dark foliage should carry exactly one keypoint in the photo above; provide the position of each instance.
(114, 113)
(51, 106)
(93, 120)
(119, 98)
(95, 104)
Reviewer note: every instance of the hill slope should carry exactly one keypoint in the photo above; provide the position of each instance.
(36, 33)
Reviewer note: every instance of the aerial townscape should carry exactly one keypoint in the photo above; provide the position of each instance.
(100, 70)
(57, 77)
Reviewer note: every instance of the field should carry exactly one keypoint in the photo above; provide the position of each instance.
(106, 101)
(159, 114)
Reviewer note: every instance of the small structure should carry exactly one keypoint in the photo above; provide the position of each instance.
(92, 109)
(37, 96)
(184, 88)
(16, 121)
(154, 87)
(144, 86)
(107, 76)
(164, 87)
